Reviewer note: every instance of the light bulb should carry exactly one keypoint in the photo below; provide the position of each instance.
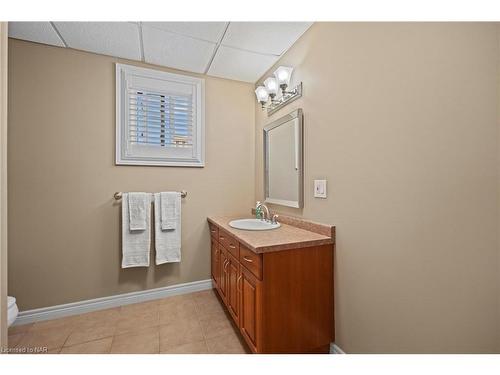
(261, 94)
(283, 75)
(272, 86)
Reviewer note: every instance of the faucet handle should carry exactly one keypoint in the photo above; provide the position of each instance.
(274, 220)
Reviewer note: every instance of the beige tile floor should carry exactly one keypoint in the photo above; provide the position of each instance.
(193, 323)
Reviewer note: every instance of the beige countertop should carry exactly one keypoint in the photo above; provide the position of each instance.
(283, 238)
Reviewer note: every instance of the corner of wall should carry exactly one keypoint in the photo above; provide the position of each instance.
(3, 184)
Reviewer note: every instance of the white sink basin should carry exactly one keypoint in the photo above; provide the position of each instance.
(253, 224)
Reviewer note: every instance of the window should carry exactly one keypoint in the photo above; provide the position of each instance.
(159, 118)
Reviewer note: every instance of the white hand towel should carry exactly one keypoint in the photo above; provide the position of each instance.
(168, 204)
(138, 205)
(135, 243)
(167, 242)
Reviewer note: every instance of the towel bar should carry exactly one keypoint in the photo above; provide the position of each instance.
(118, 194)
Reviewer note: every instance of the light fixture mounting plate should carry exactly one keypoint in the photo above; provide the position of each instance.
(283, 100)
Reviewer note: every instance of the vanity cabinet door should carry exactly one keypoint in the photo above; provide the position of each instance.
(250, 309)
(233, 275)
(223, 273)
(215, 262)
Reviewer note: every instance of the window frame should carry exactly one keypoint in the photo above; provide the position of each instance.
(123, 156)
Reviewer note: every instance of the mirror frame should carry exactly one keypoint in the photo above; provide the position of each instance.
(297, 114)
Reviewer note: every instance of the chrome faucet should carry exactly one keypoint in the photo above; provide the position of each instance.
(266, 216)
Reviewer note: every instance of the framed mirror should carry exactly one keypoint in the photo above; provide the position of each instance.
(283, 161)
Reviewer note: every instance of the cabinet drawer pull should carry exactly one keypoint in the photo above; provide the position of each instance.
(232, 246)
(222, 238)
(212, 230)
(248, 259)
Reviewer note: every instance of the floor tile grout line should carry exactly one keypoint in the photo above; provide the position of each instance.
(83, 342)
(111, 346)
(197, 307)
(67, 337)
(86, 341)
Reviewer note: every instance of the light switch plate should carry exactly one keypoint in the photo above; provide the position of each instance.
(320, 188)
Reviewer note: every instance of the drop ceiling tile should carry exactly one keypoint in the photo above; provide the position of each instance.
(39, 32)
(264, 37)
(210, 31)
(240, 65)
(176, 51)
(120, 39)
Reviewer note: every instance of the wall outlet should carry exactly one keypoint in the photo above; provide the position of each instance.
(320, 188)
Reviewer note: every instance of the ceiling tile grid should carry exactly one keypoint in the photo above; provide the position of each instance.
(39, 32)
(209, 31)
(120, 39)
(241, 51)
(272, 38)
(240, 65)
(176, 51)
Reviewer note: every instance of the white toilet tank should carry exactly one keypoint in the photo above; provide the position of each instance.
(12, 310)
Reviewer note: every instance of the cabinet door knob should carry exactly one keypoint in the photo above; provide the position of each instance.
(247, 259)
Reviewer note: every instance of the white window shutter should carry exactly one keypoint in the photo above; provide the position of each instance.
(160, 119)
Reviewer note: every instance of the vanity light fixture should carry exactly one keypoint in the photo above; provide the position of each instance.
(274, 92)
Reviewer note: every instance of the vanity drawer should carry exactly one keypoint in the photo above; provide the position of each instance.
(230, 243)
(251, 261)
(214, 230)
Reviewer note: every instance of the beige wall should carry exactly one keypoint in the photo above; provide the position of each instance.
(63, 225)
(3, 184)
(401, 119)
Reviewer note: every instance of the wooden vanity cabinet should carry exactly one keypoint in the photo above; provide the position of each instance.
(281, 301)
(232, 296)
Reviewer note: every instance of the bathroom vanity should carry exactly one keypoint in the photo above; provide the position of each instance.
(277, 284)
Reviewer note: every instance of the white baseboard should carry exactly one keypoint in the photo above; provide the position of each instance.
(75, 308)
(335, 349)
